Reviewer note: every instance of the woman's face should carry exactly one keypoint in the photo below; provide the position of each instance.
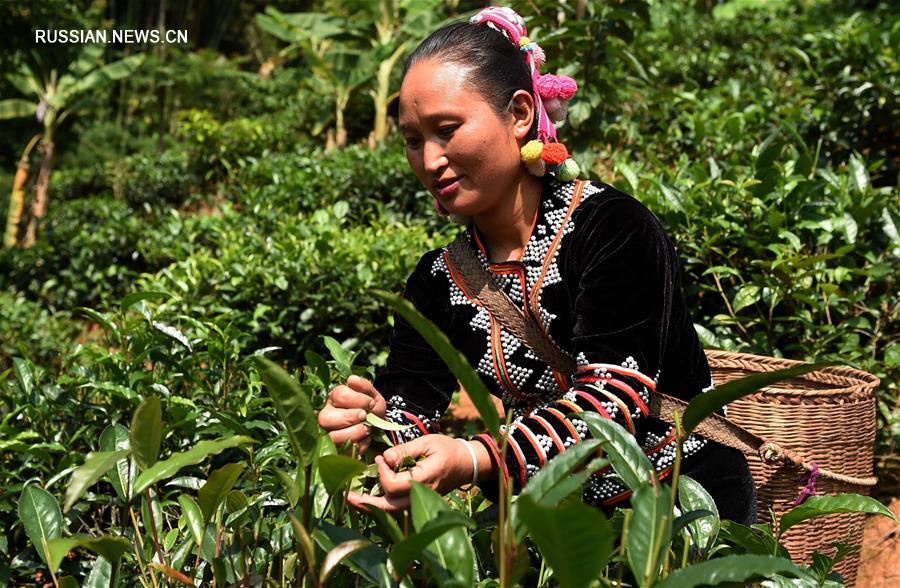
(460, 148)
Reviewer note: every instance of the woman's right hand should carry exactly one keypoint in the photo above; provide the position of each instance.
(344, 414)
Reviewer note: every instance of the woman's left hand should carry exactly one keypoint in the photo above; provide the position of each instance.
(442, 464)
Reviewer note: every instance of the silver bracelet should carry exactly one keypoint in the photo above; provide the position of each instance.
(474, 465)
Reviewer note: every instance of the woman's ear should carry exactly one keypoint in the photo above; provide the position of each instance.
(521, 106)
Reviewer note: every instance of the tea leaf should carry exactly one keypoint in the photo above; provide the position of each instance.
(693, 497)
(194, 517)
(453, 549)
(293, 407)
(41, 518)
(817, 506)
(337, 470)
(146, 432)
(169, 467)
(575, 539)
(730, 569)
(339, 554)
(649, 532)
(116, 438)
(627, 458)
(217, 487)
(131, 299)
(108, 547)
(87, 474)
(409, 549)
(455, 360)
(378, 422)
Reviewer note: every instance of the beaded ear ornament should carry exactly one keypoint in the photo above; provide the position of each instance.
(552, 94)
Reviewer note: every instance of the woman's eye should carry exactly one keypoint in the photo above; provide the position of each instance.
(412, 142)
(447, 132)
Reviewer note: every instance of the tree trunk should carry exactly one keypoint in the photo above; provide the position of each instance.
(16, 203)
(39, 205)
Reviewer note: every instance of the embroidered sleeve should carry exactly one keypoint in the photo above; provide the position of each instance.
(621, 277)
(415, 382)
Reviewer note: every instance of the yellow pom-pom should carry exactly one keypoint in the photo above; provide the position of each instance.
(568, 170)
(524, 41)
(531, 151)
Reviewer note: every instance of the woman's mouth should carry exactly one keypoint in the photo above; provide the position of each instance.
(447, 186)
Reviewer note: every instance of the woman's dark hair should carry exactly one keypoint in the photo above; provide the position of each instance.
(496, 66)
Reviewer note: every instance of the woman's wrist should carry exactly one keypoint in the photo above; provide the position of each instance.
(486, 469)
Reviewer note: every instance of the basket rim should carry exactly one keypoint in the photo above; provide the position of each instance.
(847, 381)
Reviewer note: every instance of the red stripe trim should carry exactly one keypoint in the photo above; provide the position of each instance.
(416, 421)
(494, 453)
(635, 397)
(619, 370)
(593, 402)
(534, 443)
(565, 422)
(551, 432)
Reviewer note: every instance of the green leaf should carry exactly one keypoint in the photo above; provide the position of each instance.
(89, 472)
(337, 470)
(146, 432)
(116, 438)
(709, 402)
(692, 497)
(24, 375)
(729, 569)
(452, 550)
(41, 518)
(304, 541)
(753, 541)
(554, 473)
(338, 554)
(102, 320)
(293, 407)
(169, 467)
(107, 546)
(366, 562)
(194, 516)
(455, 360)
(290, 486)
(378, 422)
(649, 532)
(858, 175)
(172, 333)
(817, 506)
(629, 175)
(627, 458)
(16, 108)
(748, 295)
(101, 575)
(410, 548)
(131, 299)
(217, 487)
(575, 539)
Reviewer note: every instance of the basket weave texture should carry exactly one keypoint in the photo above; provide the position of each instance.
(828, 417)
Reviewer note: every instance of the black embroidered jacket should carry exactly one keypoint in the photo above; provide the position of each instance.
(602, 277)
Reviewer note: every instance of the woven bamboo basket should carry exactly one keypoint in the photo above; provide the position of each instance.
(827, 417)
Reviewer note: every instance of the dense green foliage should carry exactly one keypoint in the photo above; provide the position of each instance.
(762, 138)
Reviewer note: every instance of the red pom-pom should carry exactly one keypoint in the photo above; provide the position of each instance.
(554, 153)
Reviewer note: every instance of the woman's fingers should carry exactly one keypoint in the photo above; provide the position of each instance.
(346, 397)
(331, 418)
(356, 434)
(385, 503)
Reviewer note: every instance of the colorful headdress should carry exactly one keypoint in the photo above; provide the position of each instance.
(551, 93)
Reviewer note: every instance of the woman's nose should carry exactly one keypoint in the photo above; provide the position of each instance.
(435, 157)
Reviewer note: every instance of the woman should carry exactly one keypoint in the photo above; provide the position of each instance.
(592, 264)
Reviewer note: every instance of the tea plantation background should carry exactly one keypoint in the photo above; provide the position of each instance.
(242, 195)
